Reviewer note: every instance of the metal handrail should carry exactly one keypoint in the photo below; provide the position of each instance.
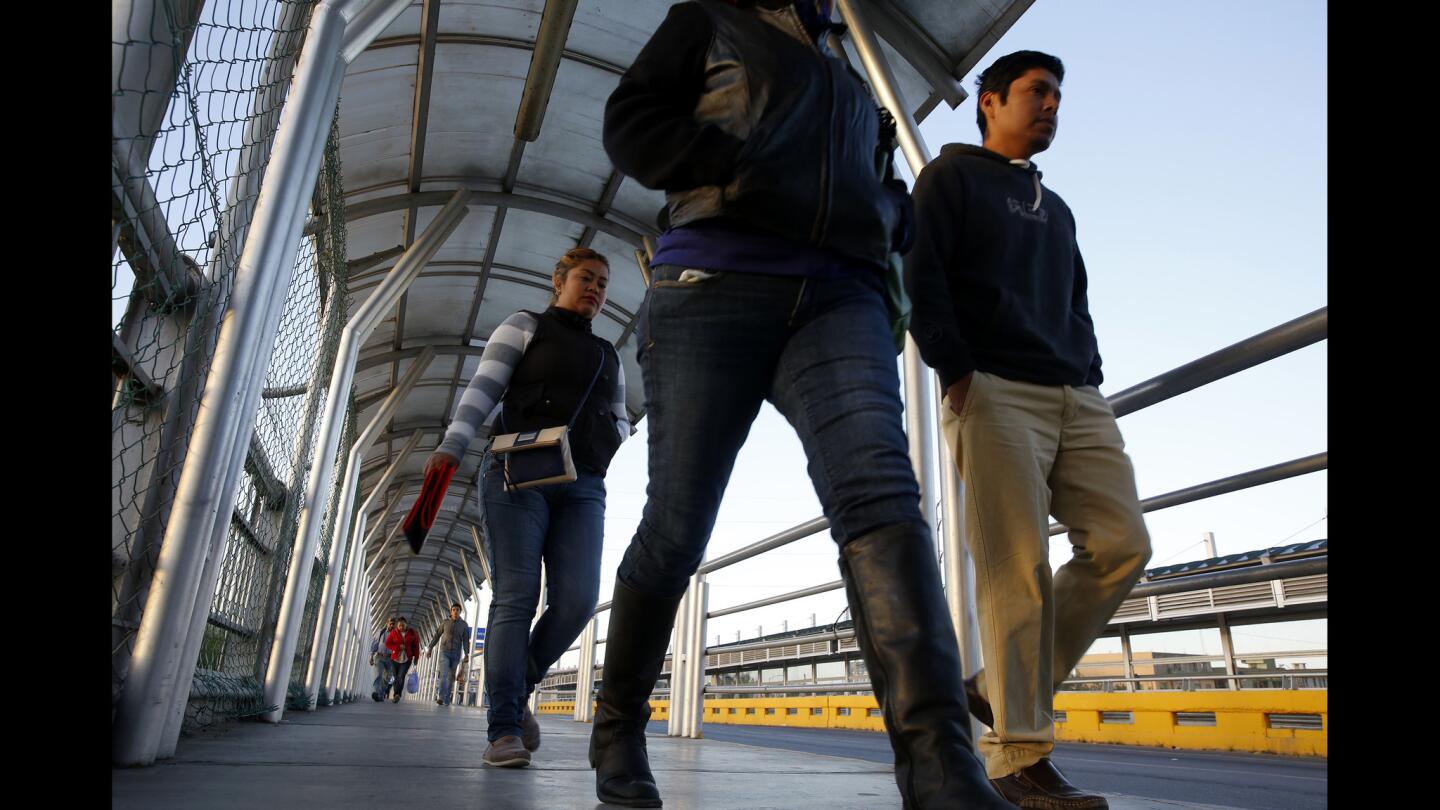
(1223, 486)
(1233, 359)
(773, 600)
(1289, 569)
(865, 686)
(1263, 347)
(770, 543)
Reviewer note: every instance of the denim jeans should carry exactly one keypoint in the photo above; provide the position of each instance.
(397, 687)
(384, 667)
(560, 526)
(712, 351)
(445, 675)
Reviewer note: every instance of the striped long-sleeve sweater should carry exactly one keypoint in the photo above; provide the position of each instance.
(481, 400)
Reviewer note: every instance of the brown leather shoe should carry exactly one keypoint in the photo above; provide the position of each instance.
(1042, 787)
(507, 752)
(979, 706)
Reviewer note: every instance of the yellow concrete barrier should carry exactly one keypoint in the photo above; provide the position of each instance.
(1241, 720)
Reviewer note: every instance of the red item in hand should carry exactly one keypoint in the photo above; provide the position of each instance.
(422, 515)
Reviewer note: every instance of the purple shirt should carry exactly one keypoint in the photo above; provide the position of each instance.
(729, 245)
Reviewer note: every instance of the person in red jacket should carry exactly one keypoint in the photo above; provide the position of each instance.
(405, 644)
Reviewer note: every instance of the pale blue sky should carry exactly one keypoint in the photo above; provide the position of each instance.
(1191, 147)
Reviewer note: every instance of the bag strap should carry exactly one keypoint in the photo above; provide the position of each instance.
(591, 387)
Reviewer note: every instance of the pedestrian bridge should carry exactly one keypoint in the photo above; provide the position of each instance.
(320, 210)
(417, 754)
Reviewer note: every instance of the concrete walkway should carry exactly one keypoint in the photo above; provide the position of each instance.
(416, 755)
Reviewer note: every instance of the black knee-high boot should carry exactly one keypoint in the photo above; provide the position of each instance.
(904, 630)
(640, 628)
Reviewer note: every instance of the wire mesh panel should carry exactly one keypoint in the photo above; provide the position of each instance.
(263, 525)
(197, 95)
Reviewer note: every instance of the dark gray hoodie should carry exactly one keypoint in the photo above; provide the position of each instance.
(995, 277)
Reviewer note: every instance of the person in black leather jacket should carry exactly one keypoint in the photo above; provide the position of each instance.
(770, 285)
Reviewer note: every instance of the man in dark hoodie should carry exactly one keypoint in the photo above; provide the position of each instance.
(1000, 311)
(769, 284)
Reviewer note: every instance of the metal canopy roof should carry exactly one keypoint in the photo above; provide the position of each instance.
(431, 106)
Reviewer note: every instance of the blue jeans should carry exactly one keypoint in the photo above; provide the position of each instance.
(400, 670)
(384, 668)
(561, 526)
(712, 351)
(445, 675)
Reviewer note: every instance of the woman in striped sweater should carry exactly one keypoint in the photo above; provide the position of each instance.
(540, 370)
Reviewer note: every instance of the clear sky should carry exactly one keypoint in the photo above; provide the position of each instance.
(1191, 148)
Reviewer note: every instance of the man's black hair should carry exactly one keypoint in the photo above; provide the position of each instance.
(1004, 71)
(456, 605)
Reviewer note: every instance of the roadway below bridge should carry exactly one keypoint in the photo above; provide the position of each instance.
(1232, 780)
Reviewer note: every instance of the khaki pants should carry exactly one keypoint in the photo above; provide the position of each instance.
(1025, 452)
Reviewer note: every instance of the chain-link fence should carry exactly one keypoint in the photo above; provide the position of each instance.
(196, 100)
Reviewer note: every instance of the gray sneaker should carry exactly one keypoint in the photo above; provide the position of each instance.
(507, 752)
(529, 730)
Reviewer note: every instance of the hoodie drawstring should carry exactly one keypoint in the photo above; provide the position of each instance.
(1034, 176)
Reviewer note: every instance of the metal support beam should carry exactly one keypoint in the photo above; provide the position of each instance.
(177, 421)
(919, 415)
(220, 531)
(1266, 346)
(1127, 656)
(544, 64)
(923, 54)
(695, 711)
(1227, 644)
(1233, 483)
(227, 412)
(341, 542)
(775, 600)
(361, 325)
(680, 664)
(1288, 569)
(483, 196)
(585, 673)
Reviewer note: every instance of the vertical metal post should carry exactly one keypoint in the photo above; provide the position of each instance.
(474, 622)
(292, 610)
(959, 570)
(540, 609)
(679, 659)
(695, 710)
(144, 64)
(471, 657)
(227, 411)
(486, 572)
(919, 419)
(1228, 645)
(354, 602)
(585, 672)
(357, 548)
(340, 645)
(1128, 657)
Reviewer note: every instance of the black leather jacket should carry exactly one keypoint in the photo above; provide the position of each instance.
(738, 113)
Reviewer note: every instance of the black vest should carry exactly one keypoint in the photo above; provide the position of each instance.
(550, 379)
